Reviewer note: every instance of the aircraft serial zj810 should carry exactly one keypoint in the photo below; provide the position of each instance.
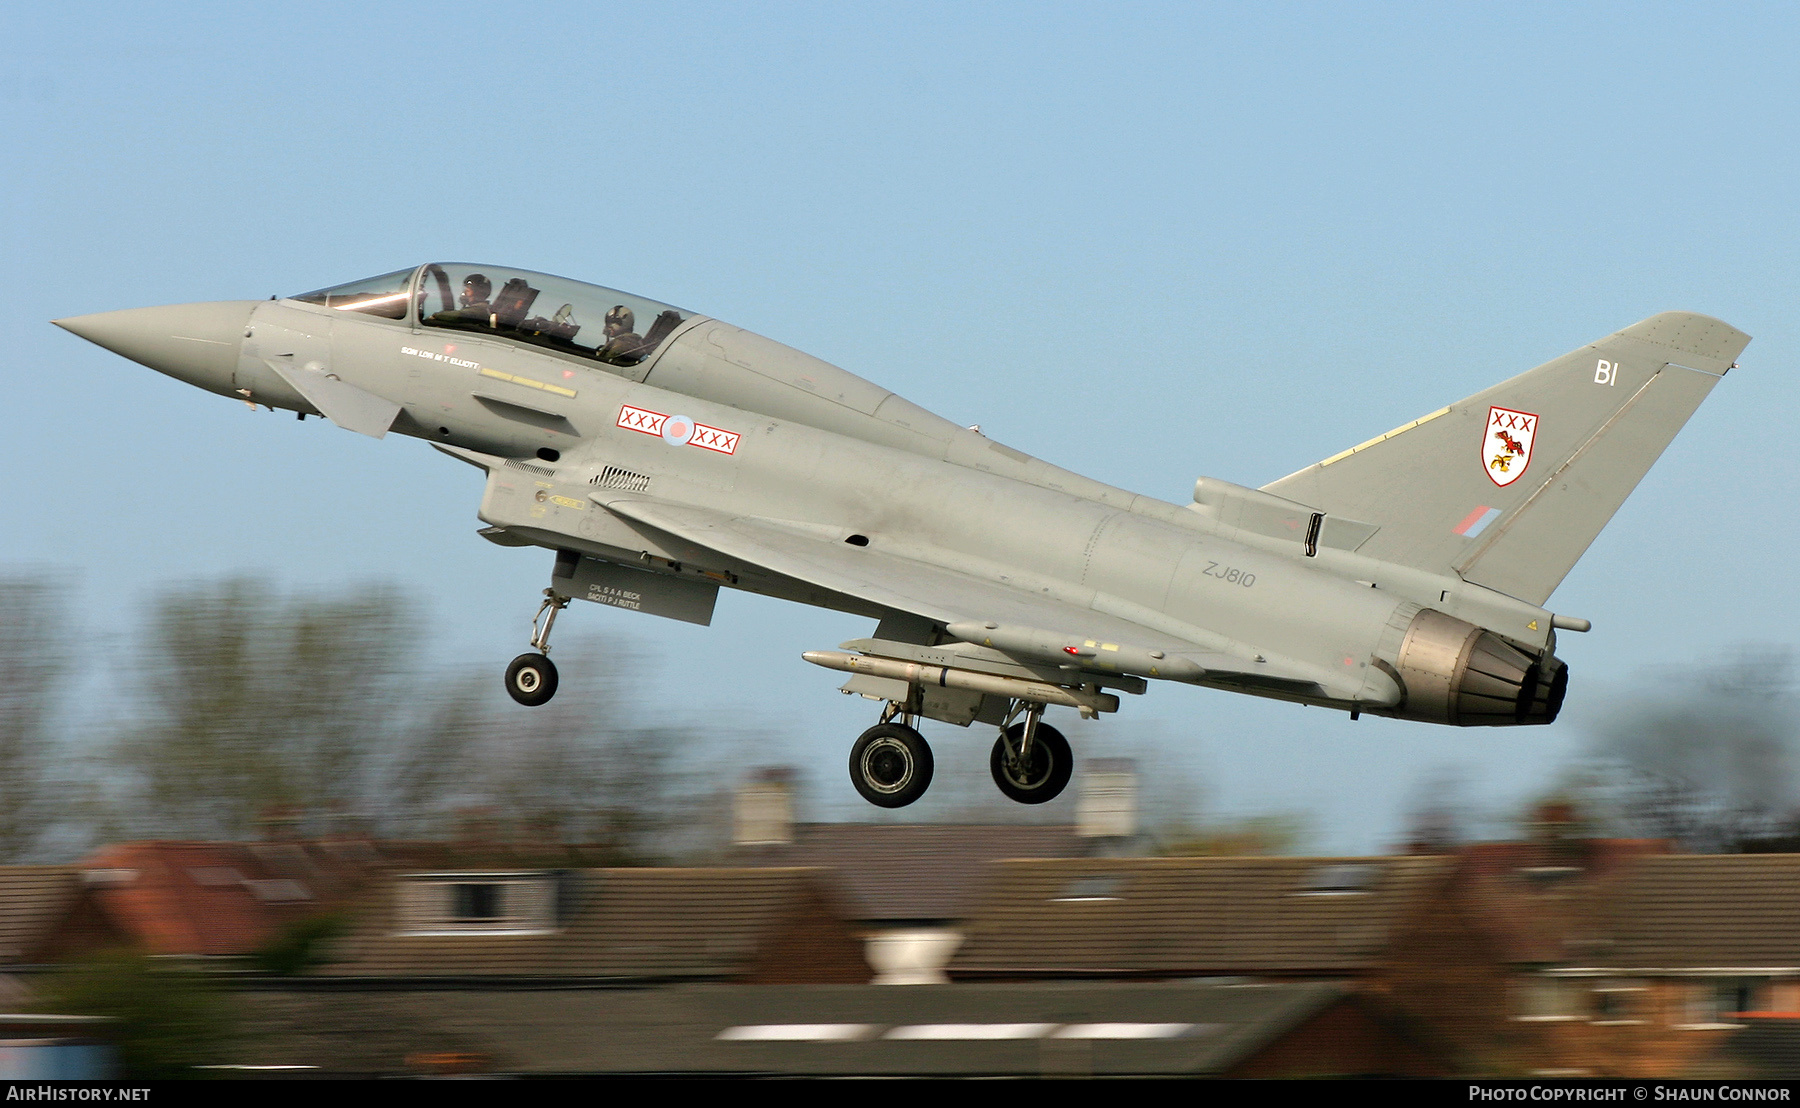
(662, 454)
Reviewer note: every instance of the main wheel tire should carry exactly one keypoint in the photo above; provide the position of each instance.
(531, 679)
(1049, 766)
(890, 765)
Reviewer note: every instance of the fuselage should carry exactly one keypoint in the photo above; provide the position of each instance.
(724, 419)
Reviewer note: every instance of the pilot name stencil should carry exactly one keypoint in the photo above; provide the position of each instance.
(433, 356)
(677, 430)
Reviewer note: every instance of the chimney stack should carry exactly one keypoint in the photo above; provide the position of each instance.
(1108, 805)
(763, 811)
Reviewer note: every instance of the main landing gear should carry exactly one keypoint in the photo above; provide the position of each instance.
(1031, 761)
(531, 678)
(891, 764)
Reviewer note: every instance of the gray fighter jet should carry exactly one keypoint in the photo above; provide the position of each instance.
(662, 454)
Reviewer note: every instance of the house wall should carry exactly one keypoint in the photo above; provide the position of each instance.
(1445, 972)
(1628, 1027)
(810, 945)
(85, 930)
(1345, 1040)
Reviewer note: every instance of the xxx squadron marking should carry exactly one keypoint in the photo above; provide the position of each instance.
(1506, 444)
(678, 430)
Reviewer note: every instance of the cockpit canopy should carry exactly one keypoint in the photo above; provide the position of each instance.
(384, 296)
(554, 312)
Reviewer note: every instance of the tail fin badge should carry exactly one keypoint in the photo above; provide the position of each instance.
(1506, 444)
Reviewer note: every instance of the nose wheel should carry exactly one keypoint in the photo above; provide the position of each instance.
(531, 678)
(891, 765)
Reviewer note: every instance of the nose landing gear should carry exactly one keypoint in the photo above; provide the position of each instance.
(531, 678)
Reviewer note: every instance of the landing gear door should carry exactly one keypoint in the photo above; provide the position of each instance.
(659, 594)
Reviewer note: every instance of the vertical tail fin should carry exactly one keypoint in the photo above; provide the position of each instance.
(1509, 487)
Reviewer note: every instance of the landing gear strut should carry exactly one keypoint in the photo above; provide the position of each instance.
(1031, 761)
(531, 678)
(891, 764)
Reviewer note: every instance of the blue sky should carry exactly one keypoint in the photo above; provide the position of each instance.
(1143, 241)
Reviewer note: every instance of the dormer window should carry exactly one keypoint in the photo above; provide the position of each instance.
(474, 902)
(1340, 879)
(510, 903)
(1097, 888)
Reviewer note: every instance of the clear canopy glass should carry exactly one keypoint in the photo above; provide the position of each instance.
(555, 312)
(571, 316)
(383, 296)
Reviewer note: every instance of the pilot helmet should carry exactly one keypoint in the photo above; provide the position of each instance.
(477, 287)
(620, 320)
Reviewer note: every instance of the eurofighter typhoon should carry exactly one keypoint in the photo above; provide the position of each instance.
(662, 455)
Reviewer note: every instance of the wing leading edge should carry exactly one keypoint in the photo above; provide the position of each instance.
(942, 594)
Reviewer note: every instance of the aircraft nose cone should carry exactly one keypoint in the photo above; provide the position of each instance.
(196, 343)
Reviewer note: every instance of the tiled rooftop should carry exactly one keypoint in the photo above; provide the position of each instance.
(33, 900)
(900, 871)
(1192, 916)
(622, 923)
(1701, 911)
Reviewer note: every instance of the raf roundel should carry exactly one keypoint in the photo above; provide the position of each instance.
(678, 430)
